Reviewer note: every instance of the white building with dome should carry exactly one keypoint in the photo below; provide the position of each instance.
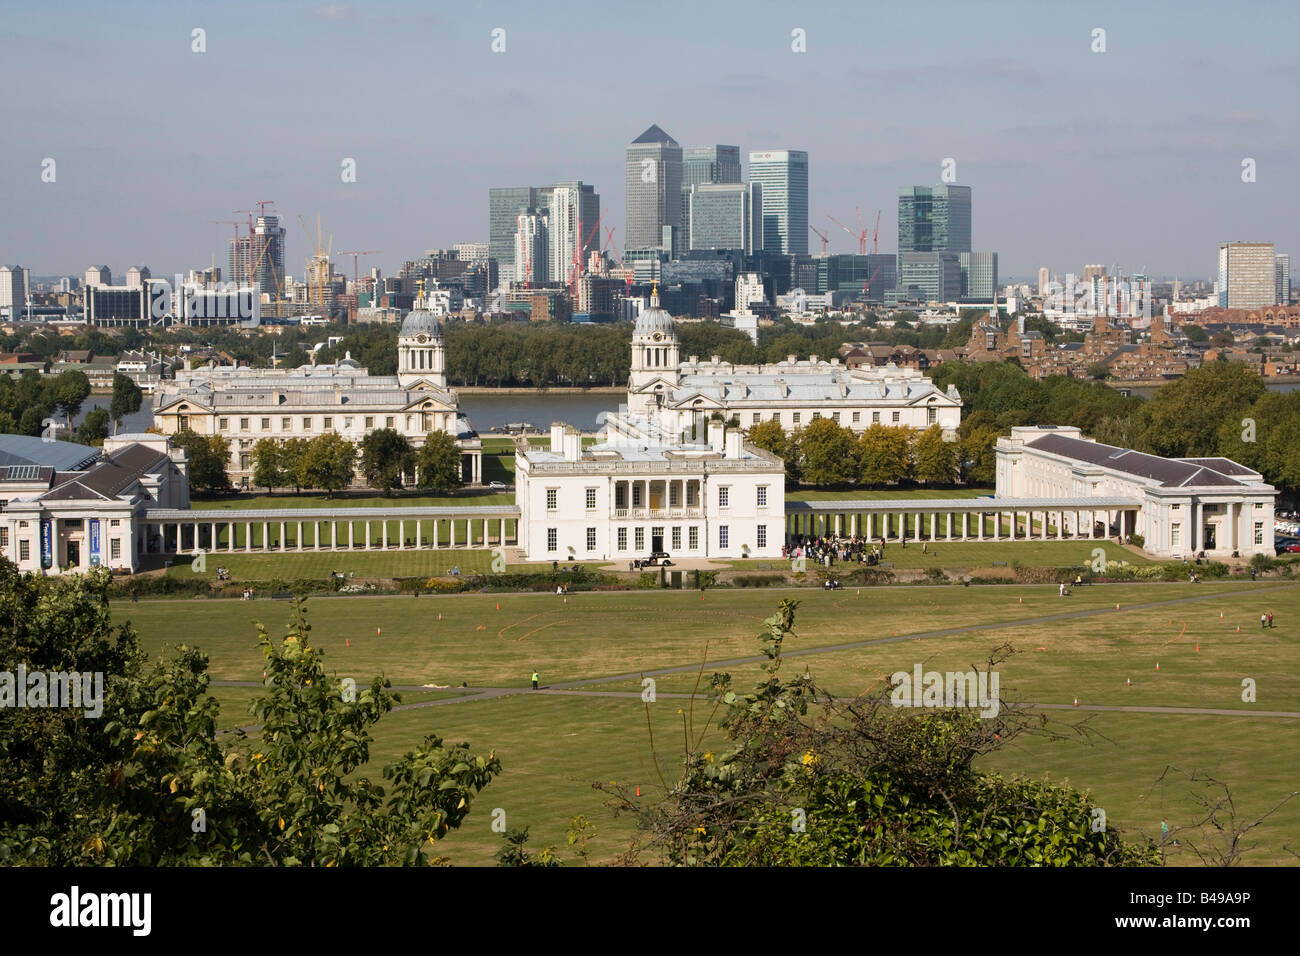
(683, 395)
(245, 405)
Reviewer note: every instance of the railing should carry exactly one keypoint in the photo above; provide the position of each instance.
(658, 512)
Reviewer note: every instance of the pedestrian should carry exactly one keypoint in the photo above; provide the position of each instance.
(925, 547)
(135, 598)
(555, 566)
(559, 589)
(1270, 618)
(535, 679)
(1062, 589)
(1164, 830)
(1252, 574)
(1263, 620)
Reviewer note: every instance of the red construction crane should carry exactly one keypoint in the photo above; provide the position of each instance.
(627, 275)
(356, 287)
(261, 205)
(822, 235)
(875, 246)
(860, 236)
(579, 264)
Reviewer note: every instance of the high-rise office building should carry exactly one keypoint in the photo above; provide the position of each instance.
(979, 275)
(99, 275)
(654, 192)
(783, 174)
(1044, 279)
(725, 216)
(571, 207)
(13, 289)
(930, 276)
(934, 219)
(705, 165)
(268, 254)
(1282, 277)
(1247, 275)
(532, 255)
(137, 276)
(504, 206)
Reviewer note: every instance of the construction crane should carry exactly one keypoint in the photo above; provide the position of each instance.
(316, 263)
(261, 205)
(627, 274)
(860, 236)
(578, 266)
(822, 235)
(356, 287)
(875, 235)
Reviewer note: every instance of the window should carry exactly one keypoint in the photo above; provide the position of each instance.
(622, 539)
(1175, 507)
(184, 422)
(758, 417)
(724, 496)
(794, 418)
(674, 494)
(329, 422)
(551, 539)
(835, 417)
(762, 496)
(388, 422)
(692, 495)
(370, 421)
(857, 416)
(636, 494)
(816, 415)
(551, 494)
(591, 499)
(24, 550)
(115, 549)
(306, 423)
(931, 415)
(347, 422)
(224, 424)
(638, 537)
(4, 537)
(723, 535)
(591, 539)
(776, 417)
(762, 536)
(677, 538)
(1259, 532)
(875, 418)
(894, 418)
(266, 424)
(286, 424)
(114, 523)
(243, 424)
(693, 538)
(1175, 534)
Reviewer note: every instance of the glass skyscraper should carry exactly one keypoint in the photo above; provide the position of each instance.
(654, 190)
(701, 166)
(934, 219)
(783, 174)
(722, 216)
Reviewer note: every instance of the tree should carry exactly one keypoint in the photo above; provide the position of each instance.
(292, 459)
(1183, 418)
(268, 469)
(1195, 333)
(438, 463)
(386, 459)
(828, 453)
(70, 390)
(126, 399)
(94, 429)
(934, 460)
(207, 455)
(329, 463)
(805, 778)
(131, 787)
(979, 455)
(882, 455)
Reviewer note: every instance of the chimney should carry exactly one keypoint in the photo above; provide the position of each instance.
(790, 359)
(716, 433)
(812, 360)
(572, 444)
(557, 438)
(734, 443)
(695, 360)
(715, 359)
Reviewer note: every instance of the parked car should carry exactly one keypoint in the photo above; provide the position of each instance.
(1287, 547)
(499, 486)
(658, 557)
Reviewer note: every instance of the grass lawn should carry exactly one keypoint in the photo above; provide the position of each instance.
(554, 747)
(362, 564)
(885, 494)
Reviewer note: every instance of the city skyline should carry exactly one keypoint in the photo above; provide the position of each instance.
(1045, 148)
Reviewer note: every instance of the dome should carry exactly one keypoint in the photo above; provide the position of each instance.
(654, 319)
(421, 322)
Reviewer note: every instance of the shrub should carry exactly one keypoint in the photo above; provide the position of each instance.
(1138, 540)
(758, 580)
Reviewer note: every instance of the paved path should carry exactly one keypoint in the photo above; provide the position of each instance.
(574, 688)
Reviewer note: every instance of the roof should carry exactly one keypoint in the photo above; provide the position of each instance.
(826, 387)
(1168, 472)
(655, 135)
(31, 450)
(110, 477)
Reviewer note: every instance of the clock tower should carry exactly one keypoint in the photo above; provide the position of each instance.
(655, 354)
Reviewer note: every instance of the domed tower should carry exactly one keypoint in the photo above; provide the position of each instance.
(421, 354)
(654, 349)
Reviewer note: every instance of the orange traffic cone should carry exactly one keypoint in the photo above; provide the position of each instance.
(1128, 682)
(349, 642)
(379, 631)
(1157, 665)
(638, 791)
(1198, 647)
(1076, 702)
(498, 605)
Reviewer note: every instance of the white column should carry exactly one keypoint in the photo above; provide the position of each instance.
(401, 534)
(917, 530)
(248, 536)
(367, 534)
(334, 535)
(435, 533)
(1044, 534)
(298, 540)
(1060, 526)
(350, 529)
(949, 528)
(315, 534)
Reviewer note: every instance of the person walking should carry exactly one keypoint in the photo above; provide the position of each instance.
(1164, 831)
(535, 679)
(1270, 618)
(1263, 620)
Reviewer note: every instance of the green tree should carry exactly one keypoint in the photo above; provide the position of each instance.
(268, 468)
(293, 462)
(828, 453)
(329, 463)
(386, 459)
(979, 455)
(94, 429)
(126, 399)
(934, 461)
(883, 455)
(69, 390)
(129, 787)
(1195, 333)
(1184, 418)
(438, 463)
(207, 456)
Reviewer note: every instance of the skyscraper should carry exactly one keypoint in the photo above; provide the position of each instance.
(532, 247)
(1247, 275)
(783, 174)
(1282, 277)
(1044, 277)
(504, 206)
(725, 216)
(654, 191)
(934, 219)
(268, 254)
(13, 289)
(705, 165)
(571, 207)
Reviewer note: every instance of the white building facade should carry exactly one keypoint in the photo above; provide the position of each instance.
(1180, 506)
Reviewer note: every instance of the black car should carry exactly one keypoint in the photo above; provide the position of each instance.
(657, 557)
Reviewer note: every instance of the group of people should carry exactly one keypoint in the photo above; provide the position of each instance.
(827, 550)
(248, 594)
(1266, 620)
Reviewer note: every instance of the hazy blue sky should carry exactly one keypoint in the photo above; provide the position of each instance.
(1131, 156)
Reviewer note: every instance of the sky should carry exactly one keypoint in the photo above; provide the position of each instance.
(1131, 156)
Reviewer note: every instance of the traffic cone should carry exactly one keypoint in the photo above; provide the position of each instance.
(1198, 647)
(1128, 682)
(349, 642)
(1157, 665)
(379, 631)
(1076, 702)
(498, 605)
(638, 791)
